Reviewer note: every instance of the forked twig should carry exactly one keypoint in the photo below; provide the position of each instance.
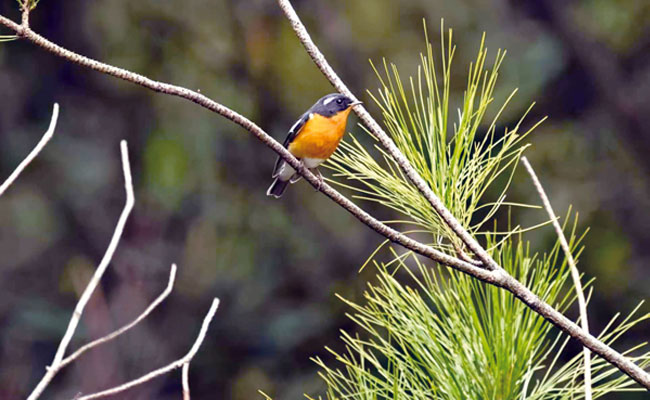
(125, 328)
(181, 362)
(54, 368)
(32, 155)
(575, 274)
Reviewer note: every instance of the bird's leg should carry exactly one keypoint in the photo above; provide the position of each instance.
(320, 178)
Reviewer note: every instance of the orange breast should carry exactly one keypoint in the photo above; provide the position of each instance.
(320, 136)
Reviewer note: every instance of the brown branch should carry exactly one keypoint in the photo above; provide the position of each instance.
(181, 362)
(384, 139)
(260, 134)
(26, 8)
(496, 275)
(563, 323)
(575, 275)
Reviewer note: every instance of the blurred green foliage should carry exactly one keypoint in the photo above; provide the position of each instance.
(200, 180)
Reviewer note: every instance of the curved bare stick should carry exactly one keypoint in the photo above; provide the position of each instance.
(497, 277)
(181, 362)
(384, 139)
(575, 274)
(94, 281)
(30, 157)
(122, 330)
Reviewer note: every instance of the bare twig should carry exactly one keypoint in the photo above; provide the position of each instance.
(125, 328)
(575, 274)
(186, 381)
(384, 139)
(94, 281)
(181, 362)
(46, 138)
(26, 6)
(494, 275)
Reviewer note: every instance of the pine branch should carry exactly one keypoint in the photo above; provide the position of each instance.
(494, 275)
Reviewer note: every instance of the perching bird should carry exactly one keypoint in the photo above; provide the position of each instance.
(313, 138)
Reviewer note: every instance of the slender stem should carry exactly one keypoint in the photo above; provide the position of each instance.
(321, 62)
(185, 360)
(26, 8)
(186, 381)
(32, 155)
(385, 140)
(575, 274)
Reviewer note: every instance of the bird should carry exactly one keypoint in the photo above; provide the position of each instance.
(312, 139)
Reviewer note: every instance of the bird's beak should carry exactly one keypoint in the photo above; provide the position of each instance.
(356, 103)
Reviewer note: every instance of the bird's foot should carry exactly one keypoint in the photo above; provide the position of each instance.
(320, 179)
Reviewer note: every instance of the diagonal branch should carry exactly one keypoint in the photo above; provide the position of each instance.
(180, 363)
(260, 134)
(321, 62)
(575, 274)
(384, 139)
(30, 157)
(495, 276)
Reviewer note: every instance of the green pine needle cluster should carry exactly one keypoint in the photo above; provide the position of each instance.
(459, 160)
(445, 335)
(427, 332)
(30, 3)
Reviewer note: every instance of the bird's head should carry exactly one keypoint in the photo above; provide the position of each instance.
(333, 104)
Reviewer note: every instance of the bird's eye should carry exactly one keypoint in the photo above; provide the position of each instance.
(339, 101)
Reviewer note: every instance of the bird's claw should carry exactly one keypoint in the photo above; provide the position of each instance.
(320, 179)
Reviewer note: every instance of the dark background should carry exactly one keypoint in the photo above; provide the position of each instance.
(201, 180)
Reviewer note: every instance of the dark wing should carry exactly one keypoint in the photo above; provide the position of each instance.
(293, 132)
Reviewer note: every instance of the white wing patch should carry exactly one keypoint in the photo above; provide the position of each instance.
(293, 128)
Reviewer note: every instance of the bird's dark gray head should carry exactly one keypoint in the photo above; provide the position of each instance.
(333, 104)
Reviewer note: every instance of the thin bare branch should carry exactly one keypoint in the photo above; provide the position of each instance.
(94, 281)
(495, 275)
(181, 362)
(383, 138)
(125, 328)
(575, 274)
(32, 155)
(26, 8)
(186, 381)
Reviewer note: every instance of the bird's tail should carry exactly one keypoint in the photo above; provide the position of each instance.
(277, 188)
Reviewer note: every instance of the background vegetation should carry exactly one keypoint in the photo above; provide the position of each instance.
(200, 181)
